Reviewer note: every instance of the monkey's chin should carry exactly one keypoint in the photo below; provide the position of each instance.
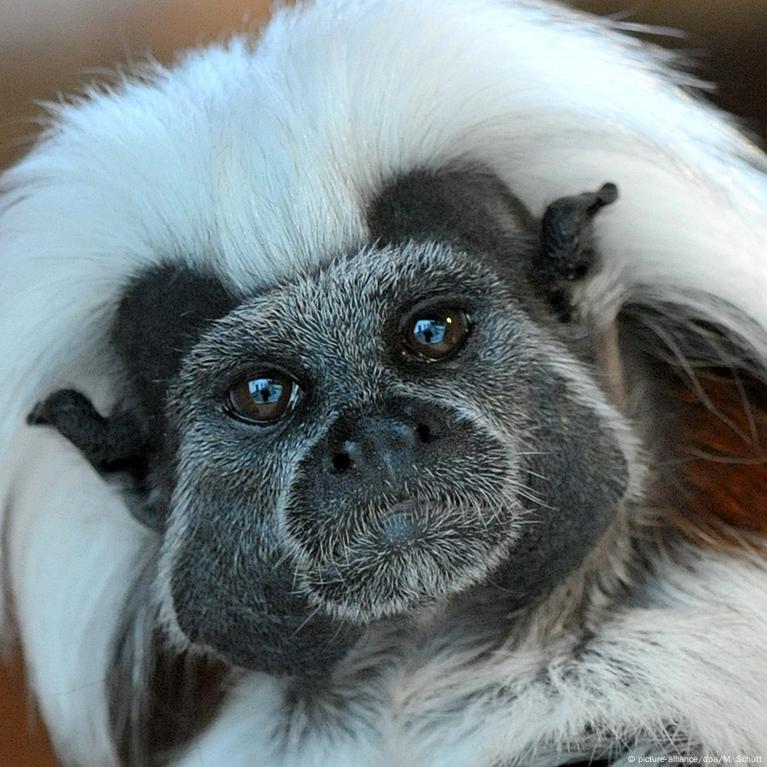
(414, 553)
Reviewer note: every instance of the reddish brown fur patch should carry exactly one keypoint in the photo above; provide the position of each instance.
(715, 470)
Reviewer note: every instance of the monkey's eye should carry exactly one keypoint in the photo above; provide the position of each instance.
(262, 398)
(436, 334)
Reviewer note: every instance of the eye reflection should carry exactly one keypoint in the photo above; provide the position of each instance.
(262, 398)
(265, 391)
(431, 331)
(436, 334)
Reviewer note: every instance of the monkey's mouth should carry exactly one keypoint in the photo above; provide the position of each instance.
(410, 553)
(402, 525)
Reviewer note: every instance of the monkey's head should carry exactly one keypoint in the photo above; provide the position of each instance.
(404, 423)
(470, 464)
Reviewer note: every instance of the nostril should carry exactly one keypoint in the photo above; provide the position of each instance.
(342, 462)
(425, 433)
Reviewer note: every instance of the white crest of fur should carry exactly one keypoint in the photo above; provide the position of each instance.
(261, 160)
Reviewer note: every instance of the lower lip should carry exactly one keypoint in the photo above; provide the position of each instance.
(405, 507)
(399, 525)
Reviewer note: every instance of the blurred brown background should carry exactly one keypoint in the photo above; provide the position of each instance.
(48, 47)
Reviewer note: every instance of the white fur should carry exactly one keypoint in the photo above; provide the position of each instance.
(679, 652)
(72, 556)
(261, 160)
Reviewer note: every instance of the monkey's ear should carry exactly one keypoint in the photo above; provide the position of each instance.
(117, 443)
(120, 443)
(160, 316)
(566, 252)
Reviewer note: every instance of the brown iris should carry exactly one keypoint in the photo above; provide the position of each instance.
(262, 398)
(435, 334)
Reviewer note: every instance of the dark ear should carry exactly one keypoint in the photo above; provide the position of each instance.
(160, 316)
(566, 253)
(110, 444)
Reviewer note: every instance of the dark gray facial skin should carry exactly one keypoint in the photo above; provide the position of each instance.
(276, 559)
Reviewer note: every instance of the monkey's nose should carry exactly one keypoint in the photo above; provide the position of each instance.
(381, 445)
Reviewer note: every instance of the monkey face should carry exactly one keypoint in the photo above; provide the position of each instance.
(365, 441)
(360, 443)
